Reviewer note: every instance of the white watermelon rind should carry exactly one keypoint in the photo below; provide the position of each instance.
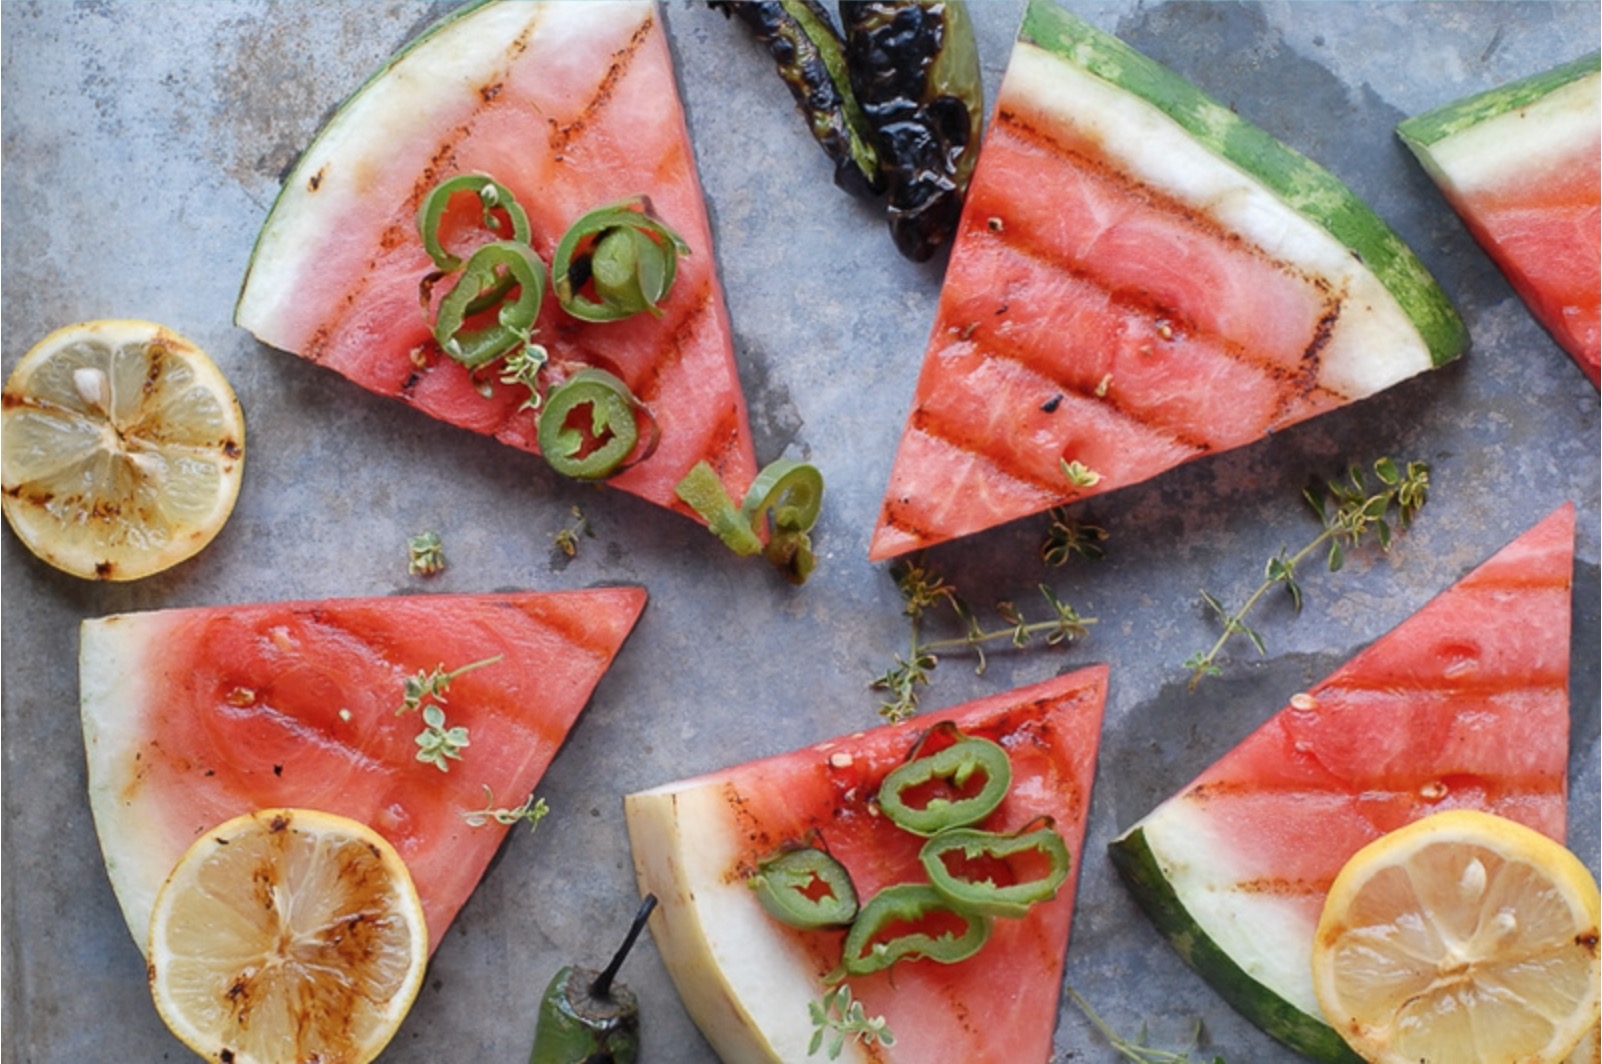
(1301, 184)
(1155, 890)
(295, 213)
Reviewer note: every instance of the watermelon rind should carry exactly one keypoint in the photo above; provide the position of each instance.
(1423, 131)
(1154, 888)
(1300, 184)
(361, 127)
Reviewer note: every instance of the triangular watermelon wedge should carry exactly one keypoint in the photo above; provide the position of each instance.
(192, 716)
(747, 980)
(571, 106)
(1445, 711)
(1140, 278)
(1522, 164)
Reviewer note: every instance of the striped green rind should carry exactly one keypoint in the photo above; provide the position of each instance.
(1298, 181)
(1259, 1003)
(1431, 127)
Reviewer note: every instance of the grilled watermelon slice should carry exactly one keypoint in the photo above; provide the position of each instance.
(192, 716)
(1445, 711)
(1520, 164)
(571, 106)
(1140, 278)
(747, 980)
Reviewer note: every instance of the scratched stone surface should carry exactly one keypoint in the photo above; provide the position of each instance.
(143, 146)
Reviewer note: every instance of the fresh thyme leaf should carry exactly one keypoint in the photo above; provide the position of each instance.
(1349, 513)
(1079, 474)
(426, 554)
(838, 1017)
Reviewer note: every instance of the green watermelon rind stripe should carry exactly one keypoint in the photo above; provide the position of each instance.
(1135, 862)
(291, 189)
(1295, 179)
(1433, 126)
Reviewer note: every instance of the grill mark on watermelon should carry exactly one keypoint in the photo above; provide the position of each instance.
(563, 135)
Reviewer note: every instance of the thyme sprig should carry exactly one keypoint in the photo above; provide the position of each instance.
(924, 590)
(425, 554)
(567, 538)
(437, 744)
(1136, 1049)
(1066, 537)
(1349, 510)
(838, 1017)
(533, 810)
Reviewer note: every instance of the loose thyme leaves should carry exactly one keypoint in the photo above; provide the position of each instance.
(837, 1017)
(1136, 1049)
(533, 810)
(438, 745)
(427, 554)
(1350, 510)
(922, 590)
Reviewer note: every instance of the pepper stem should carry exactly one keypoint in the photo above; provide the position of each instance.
(602, 987)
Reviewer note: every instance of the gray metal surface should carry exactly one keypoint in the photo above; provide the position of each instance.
(143, 144)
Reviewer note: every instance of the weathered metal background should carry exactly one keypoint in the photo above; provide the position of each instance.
(143, 145)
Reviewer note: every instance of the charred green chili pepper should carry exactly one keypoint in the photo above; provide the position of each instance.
(492, 274)
(805, 887)
(493, 197)
(940, 774)
(810, 57)
(923, 923)
(783, 503)
(595, 445)
(988, 853)
(915, 71)
(586, 1017)
(624, 254)
(784, 500)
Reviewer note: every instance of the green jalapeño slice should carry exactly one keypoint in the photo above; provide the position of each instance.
(499, 210)
(995, 874)
(505, 277)
(805, 887)
(958, 785)
(615, 262)
(911, 921)
(590, 425)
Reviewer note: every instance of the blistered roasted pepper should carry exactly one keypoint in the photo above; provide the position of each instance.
(934, 792)
(810, 57)
(805, 887)
(996, 874)
(926, 927)
(914, 67)
(624, 254)
(493, 273)
(587, 1017)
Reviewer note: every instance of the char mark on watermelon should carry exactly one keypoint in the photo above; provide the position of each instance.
(1183, 281)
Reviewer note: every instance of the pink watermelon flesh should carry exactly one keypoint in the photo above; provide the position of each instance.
(1000, 1006)
(1546, 236)
(579, 110)
(1446, 711)
(195, 715)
